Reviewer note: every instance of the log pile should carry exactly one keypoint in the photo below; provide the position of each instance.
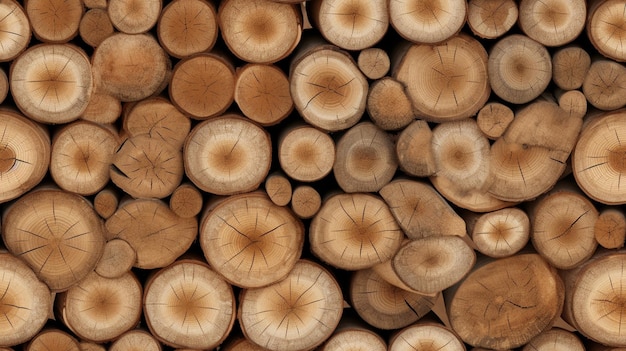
(312, 175)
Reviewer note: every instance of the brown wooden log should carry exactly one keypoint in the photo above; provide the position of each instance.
(604, 84)
(353, 333)
(328, 89)
(305, 153)
(102, 108)
(374, 62)
(188, 27)
(426, 335)
(388, 105)
(188, 304)
(297, 313)
(427, 21)
(52, 83)
(365, 160)
(91, 346)
(186, 201)
(420, 211)
(198, 75)
(45, 15)
(117, 259)
(413, 149)
(570, 65)
(500, 233)
(446, 81)
(52, 339)
(384, 305)
(262, 93)
(573, 102)
(598, 159)
(157, 235)
(260, 31)
(25, 301)
(142, 71)
(493, 119)
(554, 22)
(18, 30)
(555, 339)
(147, 167)
(81, 155)
(105, 202)
(354, 231)
(136, 339)
(520, 68)
(95, 26)
(132, 17)
(491, 307)
(157, 118)
(491, 19)
(388, 274)
(240, 155)
(100, 309)
(24, 154)
(305, 201)
(610, 228)
(600, 27)
(563, 228)
(279, 189)
(58, 234)
(251, 241)
(351, 25)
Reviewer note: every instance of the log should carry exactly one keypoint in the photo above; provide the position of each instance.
(188, 27)
(100, 309)
(328, 89)
(52, 339)
(260, 31)
(491, 19)
(24, 154)
(493, 119)
(420, 211)
(554, 22)
(500, 233)
(305, 201)
(90, 346)
(446, 81)
(82, 153)
(95, 26)
(117, 259)
(305, 153)
(45, 15)
(426, 335)
(383, 305)
(279, 189)
(563, 228)
(197, 76)
(186, 201)
(240, 155)
(262, 93)
(58, 234)
(354, 231)
(491, 307)
(610, 228)
(188, 304)
(351, 25)
(365, 159)
(297, 313)
(555, 339)
(105, 202)
(373, 62)
(570, 65)
(604, 84)
(157, 234)
(597, 160)
(354, 338)
(388, 105)
(136, 339)
(132, 17)
(520, 68)
(433, 264)
(427, 21)
(60, 92)
(18, 32)
(146, 167)
(251, 241)
(413, 149)
(601, 28)
(102, 108)
(144, 69)
(25, 301)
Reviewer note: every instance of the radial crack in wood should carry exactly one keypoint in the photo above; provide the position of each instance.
(188, 27)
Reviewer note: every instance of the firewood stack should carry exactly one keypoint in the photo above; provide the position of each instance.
(312, 175)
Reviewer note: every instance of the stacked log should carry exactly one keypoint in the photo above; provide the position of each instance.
(312, 175)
